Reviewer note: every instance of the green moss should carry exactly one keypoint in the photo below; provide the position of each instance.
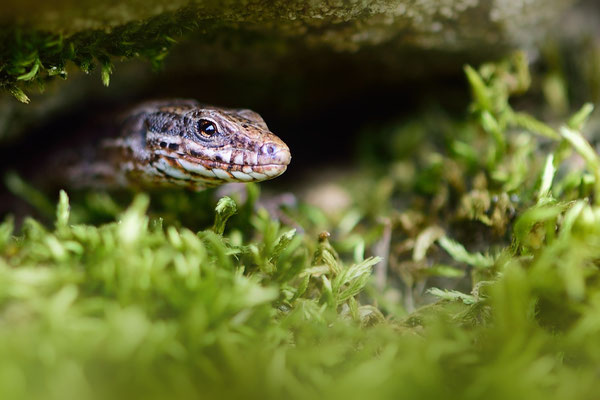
(186, 303)
(154, 304)
(31, 56)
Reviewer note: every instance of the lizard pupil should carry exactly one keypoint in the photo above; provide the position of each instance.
(207, 128)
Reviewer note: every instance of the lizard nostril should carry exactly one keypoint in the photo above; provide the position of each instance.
(273, 153)
(268, 149)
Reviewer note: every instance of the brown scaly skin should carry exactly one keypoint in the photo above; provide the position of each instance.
(184, 143)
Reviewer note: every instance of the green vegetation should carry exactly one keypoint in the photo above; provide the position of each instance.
(492, 287)
(31, 56)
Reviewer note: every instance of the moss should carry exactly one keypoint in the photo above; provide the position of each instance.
(490, 278)
(33, 56)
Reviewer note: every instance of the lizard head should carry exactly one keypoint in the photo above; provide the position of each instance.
(202, 146)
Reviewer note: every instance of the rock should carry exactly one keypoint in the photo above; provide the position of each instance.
(279, 54)
(342, 25)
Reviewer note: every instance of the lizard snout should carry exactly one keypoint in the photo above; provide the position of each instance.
(274, 153)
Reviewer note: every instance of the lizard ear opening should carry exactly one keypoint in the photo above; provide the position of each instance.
(253, 116)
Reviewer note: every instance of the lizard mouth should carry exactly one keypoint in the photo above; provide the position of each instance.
(188, 168)
(213, 167)
(231, 172)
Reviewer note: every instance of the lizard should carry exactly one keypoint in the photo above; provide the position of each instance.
(177, 143)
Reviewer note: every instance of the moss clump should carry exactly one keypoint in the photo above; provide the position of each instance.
(33, 56)
(177, 304)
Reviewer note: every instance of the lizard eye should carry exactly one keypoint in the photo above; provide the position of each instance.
(207, 128)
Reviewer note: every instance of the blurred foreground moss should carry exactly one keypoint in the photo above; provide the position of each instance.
(135, 303)
(499, 222)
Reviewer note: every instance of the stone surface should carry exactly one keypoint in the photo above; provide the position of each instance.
(280, 55)
(341, 24)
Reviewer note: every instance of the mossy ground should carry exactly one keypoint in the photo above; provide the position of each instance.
(498, 220)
